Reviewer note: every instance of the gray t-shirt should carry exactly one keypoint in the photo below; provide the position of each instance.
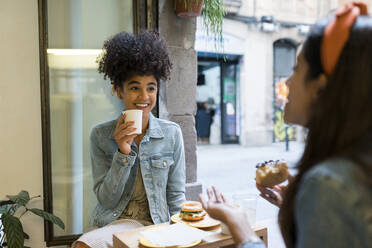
(333, 207)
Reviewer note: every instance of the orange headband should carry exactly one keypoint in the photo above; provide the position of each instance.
(337, 33)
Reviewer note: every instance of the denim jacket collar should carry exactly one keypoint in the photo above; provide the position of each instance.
(154, 130)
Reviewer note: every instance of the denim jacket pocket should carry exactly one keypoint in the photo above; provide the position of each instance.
(162, 162)
(159, 170)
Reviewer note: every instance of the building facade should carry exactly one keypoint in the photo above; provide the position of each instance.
(264, 38)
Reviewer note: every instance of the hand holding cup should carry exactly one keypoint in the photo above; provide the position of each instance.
(123, 134)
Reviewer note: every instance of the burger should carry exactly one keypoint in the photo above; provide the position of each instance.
(192, 210)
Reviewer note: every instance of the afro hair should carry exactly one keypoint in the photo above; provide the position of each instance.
(125, 55)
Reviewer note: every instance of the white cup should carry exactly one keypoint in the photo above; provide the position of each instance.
(136, 116)
(248, 202)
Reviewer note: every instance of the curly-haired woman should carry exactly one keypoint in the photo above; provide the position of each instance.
(329, 202)
(138, 179)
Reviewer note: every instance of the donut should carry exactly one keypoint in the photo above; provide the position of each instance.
(271, 173)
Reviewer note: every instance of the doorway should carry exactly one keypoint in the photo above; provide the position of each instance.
(218, 115)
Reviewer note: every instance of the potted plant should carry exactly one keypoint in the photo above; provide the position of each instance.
(213, 14)
(11, 229)
(188, 8)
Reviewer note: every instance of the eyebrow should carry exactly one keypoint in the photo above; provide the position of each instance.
(133, 82)
(136, 82)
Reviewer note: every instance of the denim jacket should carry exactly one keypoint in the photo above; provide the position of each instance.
(161, 158)
(333, 207)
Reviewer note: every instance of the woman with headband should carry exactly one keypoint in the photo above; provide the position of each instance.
(329, 202)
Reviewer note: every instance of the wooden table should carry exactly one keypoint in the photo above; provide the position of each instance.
(130, 238)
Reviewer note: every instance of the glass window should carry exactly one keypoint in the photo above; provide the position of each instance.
(79, 98)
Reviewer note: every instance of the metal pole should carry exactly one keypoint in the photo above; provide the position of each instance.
(286, 139)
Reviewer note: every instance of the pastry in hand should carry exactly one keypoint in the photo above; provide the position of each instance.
(271, 173)
(192, 210)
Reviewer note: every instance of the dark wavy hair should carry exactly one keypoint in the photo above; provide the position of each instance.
(340, 124)
(125, 55)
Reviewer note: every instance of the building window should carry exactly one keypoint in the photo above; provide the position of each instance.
(284, 61)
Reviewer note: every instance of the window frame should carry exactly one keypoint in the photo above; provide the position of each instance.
(145, 16)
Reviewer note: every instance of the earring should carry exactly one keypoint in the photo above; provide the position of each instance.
(112, 90)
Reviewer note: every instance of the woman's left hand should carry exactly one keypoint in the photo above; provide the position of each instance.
(274, 194)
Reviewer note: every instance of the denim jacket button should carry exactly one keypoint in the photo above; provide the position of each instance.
(115, 214)
(164, 163)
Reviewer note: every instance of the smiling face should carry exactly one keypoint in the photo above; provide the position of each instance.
(139, 92)
(302, 93)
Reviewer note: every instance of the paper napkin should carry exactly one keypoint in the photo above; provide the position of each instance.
(174, 235)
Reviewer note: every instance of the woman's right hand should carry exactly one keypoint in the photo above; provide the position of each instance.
(121, 136)
(274, 195)
(234, 217)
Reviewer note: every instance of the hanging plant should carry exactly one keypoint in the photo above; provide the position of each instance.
(212, 14)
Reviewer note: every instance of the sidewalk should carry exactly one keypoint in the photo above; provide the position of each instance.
(232, 169)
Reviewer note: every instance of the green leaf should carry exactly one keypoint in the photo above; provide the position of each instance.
(22, 198)
(13, 231)
(5, 209)
(213, 14)
(10, 209)
(49, 217)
